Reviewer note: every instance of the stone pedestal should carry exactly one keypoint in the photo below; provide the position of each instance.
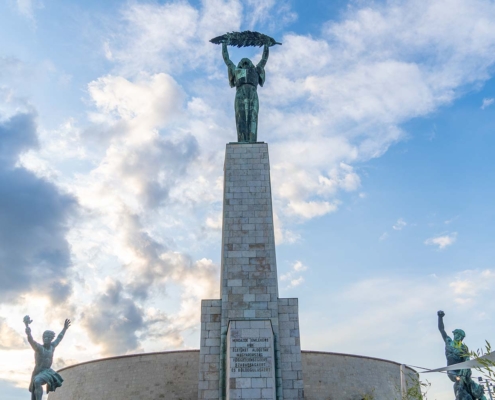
(249, 286)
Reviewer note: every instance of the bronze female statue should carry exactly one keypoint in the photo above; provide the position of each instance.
(246, 77)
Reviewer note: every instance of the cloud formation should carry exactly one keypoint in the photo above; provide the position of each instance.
(470, 285)
(442, 241)
(35, 255)
(294, 277)
(25, 7)
(118, 323)
(114, 320)
(11, 340)
(343, 96)
(487, 102)
(340, 97)
(400, 224)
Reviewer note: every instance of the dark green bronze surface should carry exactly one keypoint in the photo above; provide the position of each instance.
(43, 355)
(246, 77)
(244, 39)
(456, 352)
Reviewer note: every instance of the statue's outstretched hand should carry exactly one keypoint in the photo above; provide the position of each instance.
(28, 330)
(27, 320)
(66, 324)
(441, 314)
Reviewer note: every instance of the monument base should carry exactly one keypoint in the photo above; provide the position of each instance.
(174, 376)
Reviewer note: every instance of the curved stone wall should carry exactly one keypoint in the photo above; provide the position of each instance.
(150, 376)
(334, 376)
(174, 376)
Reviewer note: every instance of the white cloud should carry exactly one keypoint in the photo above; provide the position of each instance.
(469, 286)
(276, 13)
(383, 236)
(311, 209)
(400, 224)
(449, 221)
(442, 241)
(214, 222)
(487, 102)
(11, 340)
(299, 266)
(152, 100)
(25, 7)
(294, 276)
(170, 37)
(283, 235)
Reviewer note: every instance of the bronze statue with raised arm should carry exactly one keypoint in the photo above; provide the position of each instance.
(456, 352)
(246, 77)
(43, 356)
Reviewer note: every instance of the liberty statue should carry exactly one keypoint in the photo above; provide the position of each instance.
(43, 356)
(246, 77)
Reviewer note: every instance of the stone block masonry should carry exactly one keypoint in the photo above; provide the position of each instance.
(290, 349)
(209, 353)
(249, 286)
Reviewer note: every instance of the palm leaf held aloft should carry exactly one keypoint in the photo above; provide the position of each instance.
(245, 39)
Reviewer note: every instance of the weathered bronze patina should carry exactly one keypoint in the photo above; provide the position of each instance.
(246, 77)
(43, 355)
(456, 352)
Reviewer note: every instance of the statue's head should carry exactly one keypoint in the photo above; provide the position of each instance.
(459, 335)
(245, 63)
(48, 337)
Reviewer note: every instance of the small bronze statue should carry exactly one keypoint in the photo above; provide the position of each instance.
(456, 352)
(43, 356)
(246, 77)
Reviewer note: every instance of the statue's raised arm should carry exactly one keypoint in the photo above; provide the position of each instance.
(34, 345)
(226, 58)
(264, 57)
(441, 326)
(60, 336)
(229, 63)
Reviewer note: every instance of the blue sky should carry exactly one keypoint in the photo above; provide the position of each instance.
(113, 122)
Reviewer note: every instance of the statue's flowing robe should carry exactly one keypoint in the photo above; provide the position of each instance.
(246, 103)
(52, 379)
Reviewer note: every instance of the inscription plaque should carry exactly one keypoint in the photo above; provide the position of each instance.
(250, 360)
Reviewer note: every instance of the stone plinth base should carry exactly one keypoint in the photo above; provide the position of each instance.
(249, 290)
